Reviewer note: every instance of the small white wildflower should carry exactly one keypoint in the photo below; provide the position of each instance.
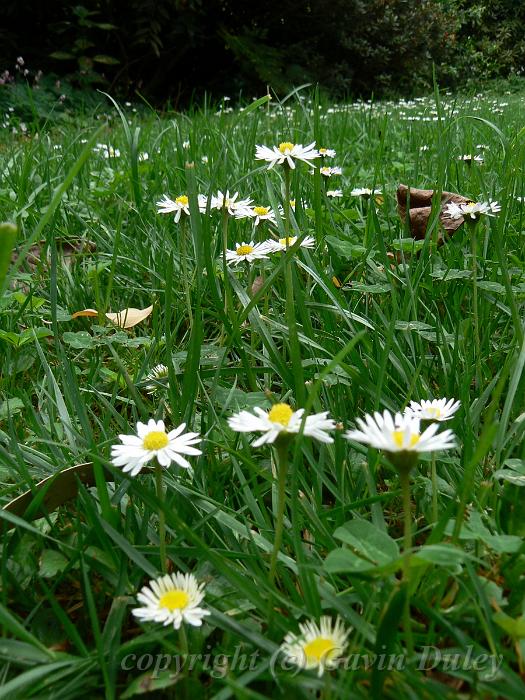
(247, 251)
(471, 210)
(172, 599)
(317, 646)
(328, 172)
(433, 410)
(281, 419)
(285, 243)
(286, 153)
(224, 201)
(327, 153)
(399, 434)
(151, 441)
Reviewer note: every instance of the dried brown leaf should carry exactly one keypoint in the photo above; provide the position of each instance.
(421, 206)
(85, 312)
(127, 318)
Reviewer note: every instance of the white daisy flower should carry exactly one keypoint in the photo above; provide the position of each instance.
(469, 158)
(472, 210)
(334, 193)
(263, 214)
(327, 153)
(240, 209)
(157, 374)
(399, 433)
(178, 205)
(287, 153)
(281, 419)
(365, 192)
(434, 410)
(285, 243)
(292, 206)
(317, 646)
(247, 251)
(151, 441)
(107, 151)
(172, 599)
(328, 172)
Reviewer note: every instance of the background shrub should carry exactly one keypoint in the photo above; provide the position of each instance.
(173, 49)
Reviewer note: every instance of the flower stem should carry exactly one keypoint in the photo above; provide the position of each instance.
(287, 205)
(477, 346)
(295, 349)
(183, 644)
(227, 288)
(162, 519)
(282, 473)
(326, 692)
(184, 265)
(407, 547)
(183, 640)
(433, 477)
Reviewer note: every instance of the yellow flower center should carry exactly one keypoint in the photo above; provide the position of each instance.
(288, 241)
(280, 413)
(286, 147)
(155, 440)
(319, 649)
(398, 437)
(261, 211)
(434, 412)
(182, 200)
(244, 250)
(174, 600)
(322, 151)
(325, 170)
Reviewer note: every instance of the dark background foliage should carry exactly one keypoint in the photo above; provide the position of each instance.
(177, 49)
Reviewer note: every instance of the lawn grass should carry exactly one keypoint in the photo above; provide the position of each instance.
(344, 327)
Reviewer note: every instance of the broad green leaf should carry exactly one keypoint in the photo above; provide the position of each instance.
(51, 563)
(344, 248)
(515, 474)
(107, 60)
(8, 233)
(515, 627)
(409, 245)
(441, 554)
(80, 340)
(62, 55)
(151, 681)
(10, 406)
(369, 288)
(369, 549)
(475, 529)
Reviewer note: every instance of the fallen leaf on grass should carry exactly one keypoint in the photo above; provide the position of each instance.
(85, 312)
(38, 255)
(127, 318)
(52, 492)
(420, 206)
